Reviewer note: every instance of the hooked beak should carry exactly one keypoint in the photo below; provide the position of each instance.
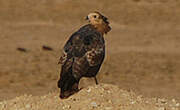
(86, 18)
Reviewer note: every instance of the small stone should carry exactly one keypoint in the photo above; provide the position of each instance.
(93, 104)
(177, 105)
(109, 101)
(108, 91)
(3, 106)
(139, 98)
(133, 102)
(28, 106)
(44, 97)
(162, 108)
(69, 106)
(108, 108)
(102, 89)
(66, 107)
(146, 101)
(173, 108)
(89, 90)
(162, 100)
(173, 100)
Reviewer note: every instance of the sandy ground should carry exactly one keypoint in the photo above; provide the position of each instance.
(101, 97)
(142, 49)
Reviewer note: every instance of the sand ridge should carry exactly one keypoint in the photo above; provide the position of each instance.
(96, 97)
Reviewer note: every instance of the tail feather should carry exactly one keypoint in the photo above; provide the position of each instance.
(68, 85)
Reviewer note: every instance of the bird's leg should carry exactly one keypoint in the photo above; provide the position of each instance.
(96, 80)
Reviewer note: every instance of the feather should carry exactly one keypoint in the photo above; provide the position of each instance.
(82, 56)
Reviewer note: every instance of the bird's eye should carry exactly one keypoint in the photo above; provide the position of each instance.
(95, 16)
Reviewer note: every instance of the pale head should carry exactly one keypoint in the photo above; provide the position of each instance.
(96, 18)
(99, 21)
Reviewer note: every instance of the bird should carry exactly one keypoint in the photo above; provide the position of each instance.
(83, 54)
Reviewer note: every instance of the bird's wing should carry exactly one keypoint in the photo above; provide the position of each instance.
(73, 55)
(66, 52)
(83, 50)
(88, 50)
(95, 53)
(95, 56)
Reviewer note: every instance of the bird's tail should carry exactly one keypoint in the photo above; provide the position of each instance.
(68, 85)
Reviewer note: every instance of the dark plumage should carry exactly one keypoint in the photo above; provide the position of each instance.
(82, 56)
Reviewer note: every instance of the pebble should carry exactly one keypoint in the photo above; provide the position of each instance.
(173, 108)
(44, 97)
(89, 90)
(93, 104)
(177, 105)
(108, 91)
(108, 108)
(3, 106)
(162, 108)
(109, 101)
(133, 102)
(139, 98)
(173, 100)
(28, 106)
(146, 101)
(162, 100)
(66, 107)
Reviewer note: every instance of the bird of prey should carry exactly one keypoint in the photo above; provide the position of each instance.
(83, 54)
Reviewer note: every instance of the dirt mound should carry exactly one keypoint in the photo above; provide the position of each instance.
(100, 97)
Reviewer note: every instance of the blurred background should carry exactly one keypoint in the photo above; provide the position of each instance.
(143, 48)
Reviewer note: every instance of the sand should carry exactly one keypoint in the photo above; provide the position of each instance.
(97, 97)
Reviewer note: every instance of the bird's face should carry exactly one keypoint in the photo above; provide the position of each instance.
(96, 18)
(99, 21)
